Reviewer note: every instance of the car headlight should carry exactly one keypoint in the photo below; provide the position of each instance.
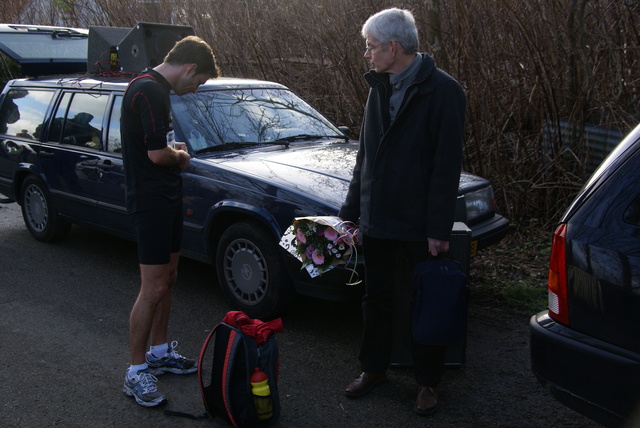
(479, 203)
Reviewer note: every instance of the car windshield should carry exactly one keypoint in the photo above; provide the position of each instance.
(243, 117)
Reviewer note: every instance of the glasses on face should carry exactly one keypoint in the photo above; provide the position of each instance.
(369, 49)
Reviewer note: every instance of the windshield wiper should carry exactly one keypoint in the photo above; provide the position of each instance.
(236, 145)
(225, 146)
(301, 137)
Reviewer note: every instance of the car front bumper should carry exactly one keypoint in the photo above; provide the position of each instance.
(488, 232)
(331, 286)
(595, 378)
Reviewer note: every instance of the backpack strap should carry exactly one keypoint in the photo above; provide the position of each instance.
(205, 415)
(201, 358)
(227, 370)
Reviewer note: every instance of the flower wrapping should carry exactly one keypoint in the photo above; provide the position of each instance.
(320, 243)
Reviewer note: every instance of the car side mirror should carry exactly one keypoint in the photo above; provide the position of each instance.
(345, 130)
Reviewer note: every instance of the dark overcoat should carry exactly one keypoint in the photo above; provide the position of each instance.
(405, 181)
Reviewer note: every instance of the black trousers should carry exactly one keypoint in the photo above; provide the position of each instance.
(383, 259)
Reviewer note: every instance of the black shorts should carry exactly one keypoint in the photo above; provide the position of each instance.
(159, 234)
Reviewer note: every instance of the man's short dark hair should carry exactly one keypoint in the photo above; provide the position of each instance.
(194, 50)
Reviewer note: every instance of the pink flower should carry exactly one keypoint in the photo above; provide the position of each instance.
(300, 235)
(309, 251)
(331, 234)
(317, 258)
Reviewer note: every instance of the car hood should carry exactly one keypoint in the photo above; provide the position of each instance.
(321, 171)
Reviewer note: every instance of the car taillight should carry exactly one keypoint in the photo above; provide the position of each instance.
(558, 305)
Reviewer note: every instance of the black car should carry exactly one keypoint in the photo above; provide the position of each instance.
(585, 349)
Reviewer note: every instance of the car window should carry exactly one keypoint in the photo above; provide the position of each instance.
(114, 141)
(82, 125)
(23, 112)
(251, 115)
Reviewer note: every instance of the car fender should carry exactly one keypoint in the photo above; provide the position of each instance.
(226, 212)
(23, 171)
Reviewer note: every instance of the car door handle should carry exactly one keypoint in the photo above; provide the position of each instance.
(106, 165)
(46, 154)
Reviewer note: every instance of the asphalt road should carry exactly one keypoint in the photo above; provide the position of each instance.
(64, 312)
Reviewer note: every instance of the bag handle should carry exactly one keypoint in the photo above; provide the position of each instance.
(205, 415)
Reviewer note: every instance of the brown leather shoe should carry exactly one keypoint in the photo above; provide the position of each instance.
(364, 384)
(427, 401)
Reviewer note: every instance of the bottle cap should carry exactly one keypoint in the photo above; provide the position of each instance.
(258, 376)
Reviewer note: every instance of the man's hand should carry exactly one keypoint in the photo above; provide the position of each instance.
(184, 158)
(437, 246)
(171, 157)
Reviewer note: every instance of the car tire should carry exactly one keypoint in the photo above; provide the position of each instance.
(251, 272)
(39, 214)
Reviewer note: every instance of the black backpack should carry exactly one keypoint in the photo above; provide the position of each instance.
(228, 358)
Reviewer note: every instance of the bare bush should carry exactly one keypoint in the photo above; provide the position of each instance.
(10, 10)
(531, 66)
(529, 69)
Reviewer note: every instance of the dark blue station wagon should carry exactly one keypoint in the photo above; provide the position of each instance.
(260, 157)
(585, 349)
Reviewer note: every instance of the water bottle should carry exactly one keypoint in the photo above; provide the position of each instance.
(261, 394)
(113, 58)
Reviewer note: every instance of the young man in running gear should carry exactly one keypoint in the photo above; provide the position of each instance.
(154, 199)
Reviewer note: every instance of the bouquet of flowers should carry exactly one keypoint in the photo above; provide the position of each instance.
(321, 243)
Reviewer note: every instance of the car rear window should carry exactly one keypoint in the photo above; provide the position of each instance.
(23, 112)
